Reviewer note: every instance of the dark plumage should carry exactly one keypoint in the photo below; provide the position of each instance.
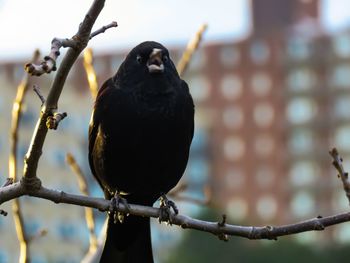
(139, 139)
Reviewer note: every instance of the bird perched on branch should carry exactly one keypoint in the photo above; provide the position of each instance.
(139, 140)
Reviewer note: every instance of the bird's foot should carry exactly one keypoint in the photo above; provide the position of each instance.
(164, 210)
(115, 202)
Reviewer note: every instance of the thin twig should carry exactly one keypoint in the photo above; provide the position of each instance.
(16, 206)
(49, 63)
(94, 256)
(96, 247)
(89, 214)
(177, 193)
(344, 176)
(8, 181)
(181, 187)
(40, 95)
(192, 46)
(103, 29)
(90, 72)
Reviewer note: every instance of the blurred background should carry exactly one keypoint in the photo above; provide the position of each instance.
(271, 84)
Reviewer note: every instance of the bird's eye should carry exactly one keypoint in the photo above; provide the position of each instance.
(139, 59)
(165, 58)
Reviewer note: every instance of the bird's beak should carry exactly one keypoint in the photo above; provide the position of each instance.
(155, 63)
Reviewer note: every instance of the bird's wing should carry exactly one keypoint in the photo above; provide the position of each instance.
(95, 121)
(190, 109)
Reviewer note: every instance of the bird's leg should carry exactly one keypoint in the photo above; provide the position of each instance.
(164, 209)
(115, 201)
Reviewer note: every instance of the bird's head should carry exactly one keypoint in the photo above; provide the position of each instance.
(148, 60)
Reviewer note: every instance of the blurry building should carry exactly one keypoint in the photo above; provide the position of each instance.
(279, 101)
(268, 109)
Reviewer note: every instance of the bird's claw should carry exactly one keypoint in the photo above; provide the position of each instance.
(114, 207)
(164, 210)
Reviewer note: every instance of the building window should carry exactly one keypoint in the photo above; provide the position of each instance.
(233, 117)
(301, 79)
(29, 116)
(303, 173)
(341, 45)
(4, 256)
(301, 141)
(231, 86)
(266, 207)
(263, 114)
(261, 83)
(66, 230)
(302, 204)
(301, 110)
(200, 141)
(234, 148)
(57, 158)
(234, 178)
(230, 55)
(341, 107)
(342, 138)
(32, 226)
(298, 48)
(198, 171)
(259, 52)
(100, 66)
(341, 76)
(339, 201)
(200, 88)
(264, 176)
(37, 258)
(237, 208)
(18, 72)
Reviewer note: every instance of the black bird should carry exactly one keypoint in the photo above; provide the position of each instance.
(139, 140)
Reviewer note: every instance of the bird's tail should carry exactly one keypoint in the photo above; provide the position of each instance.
(128, 242)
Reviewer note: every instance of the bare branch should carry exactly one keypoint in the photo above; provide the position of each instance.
(16, 206)
(38, 92)
(50, 106)
(250, 232)
(192, 46)
(49, 63)
(89, 214)
(344, 176)
(90, 72)
(103, 29)
(21, 233)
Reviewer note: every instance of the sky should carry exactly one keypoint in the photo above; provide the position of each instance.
(26, 25)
